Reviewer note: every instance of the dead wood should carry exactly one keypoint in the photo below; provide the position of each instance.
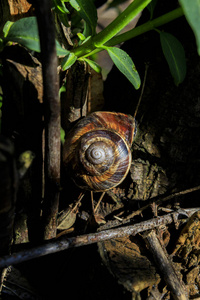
(87, 239)
(165, 266)
(51, 116)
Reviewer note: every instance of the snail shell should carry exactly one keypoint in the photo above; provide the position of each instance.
(97, 150)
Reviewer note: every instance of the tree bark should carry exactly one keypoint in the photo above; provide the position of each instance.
(166, 148)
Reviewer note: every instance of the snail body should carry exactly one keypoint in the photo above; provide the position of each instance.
(97, 151)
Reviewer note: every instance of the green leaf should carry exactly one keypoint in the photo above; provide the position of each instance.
(68, 61)
(60, 7)
(81, 36)
(25, 32)
(6, 28)
(62, 135)
(64, 19)
(192, 13)
(60, 50)
(93, 65)
(125, 64)
(175, 56)
(87, 10)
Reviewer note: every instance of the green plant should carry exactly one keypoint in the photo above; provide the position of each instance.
(25, 32)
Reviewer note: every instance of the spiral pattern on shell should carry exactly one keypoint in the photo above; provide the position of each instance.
(97, 150)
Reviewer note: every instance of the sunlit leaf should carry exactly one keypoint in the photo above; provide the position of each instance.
(93, 65)
(25, 32)
(62, 135)
(125, 64)
(81, 36)
(88, 12)
(68, 61)
(192, 13)
(175, 56)
(6, 27)
(60, 7)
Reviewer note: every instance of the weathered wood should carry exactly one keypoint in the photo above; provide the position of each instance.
(74, 100)
(87, 239)
(165, 266)
(166, 148)
(22, 122)
(51, 116)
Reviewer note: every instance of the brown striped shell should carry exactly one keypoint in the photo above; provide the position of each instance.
(97, 151)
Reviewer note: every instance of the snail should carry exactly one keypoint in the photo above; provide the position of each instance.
(97, 151)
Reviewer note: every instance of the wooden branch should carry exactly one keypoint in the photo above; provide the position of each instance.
(165, 266)
(87, 239)
(160, 200)
(51, 116)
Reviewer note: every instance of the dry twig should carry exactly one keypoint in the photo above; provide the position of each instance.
(164, 265)
(161, 200)
(51, 115)
(87, 239)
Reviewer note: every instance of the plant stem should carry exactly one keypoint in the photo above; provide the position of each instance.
(120, 22)
(113, 28)
(173, 15)
(89, 48)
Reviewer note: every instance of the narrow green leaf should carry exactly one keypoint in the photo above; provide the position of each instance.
(68, 61)
(96, 67)
(62, 135)
(64, 19)
(6, 28)
(175, 56)
(192, 13)
(125, 64)
(60, 50)
(25, 32)
(81, 36)
(87, 11)
(60, 7)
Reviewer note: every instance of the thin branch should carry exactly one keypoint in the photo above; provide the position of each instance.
(51, 115)
(87, 239)
(166, 268)
(160, 200)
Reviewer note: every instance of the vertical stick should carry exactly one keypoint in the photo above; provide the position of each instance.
(165, 266)
(51, 116)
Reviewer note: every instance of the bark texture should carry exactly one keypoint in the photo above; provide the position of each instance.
(166, 148)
